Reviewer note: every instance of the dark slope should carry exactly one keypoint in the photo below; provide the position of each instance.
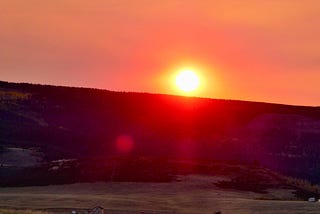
(63, 122)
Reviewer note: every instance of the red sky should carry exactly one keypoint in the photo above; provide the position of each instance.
(251, 50)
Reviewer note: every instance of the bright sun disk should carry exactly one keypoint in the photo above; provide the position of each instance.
(187, 80)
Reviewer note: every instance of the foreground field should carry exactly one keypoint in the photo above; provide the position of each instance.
(193, 194)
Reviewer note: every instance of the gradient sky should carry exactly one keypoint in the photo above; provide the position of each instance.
(251, 50)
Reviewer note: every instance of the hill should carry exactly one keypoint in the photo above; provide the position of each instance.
(53, 126)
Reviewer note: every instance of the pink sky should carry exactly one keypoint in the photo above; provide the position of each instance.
(250, 50)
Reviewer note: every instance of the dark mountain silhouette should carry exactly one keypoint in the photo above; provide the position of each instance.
(40, 125)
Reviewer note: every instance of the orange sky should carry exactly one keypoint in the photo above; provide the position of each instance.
(250, 50)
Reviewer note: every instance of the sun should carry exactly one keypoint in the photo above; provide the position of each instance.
(187, 80)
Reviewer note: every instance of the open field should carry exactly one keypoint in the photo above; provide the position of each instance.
(19, 211)
(193, 194)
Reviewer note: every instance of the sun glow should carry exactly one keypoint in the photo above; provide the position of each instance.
(187, 80)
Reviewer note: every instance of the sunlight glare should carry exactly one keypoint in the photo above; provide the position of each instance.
(187, 80)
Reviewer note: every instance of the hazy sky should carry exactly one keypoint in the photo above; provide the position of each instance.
(252, 50)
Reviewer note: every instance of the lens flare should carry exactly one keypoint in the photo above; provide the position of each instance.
(124, 143)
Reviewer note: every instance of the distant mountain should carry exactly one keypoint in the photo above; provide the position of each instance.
(42, 124)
